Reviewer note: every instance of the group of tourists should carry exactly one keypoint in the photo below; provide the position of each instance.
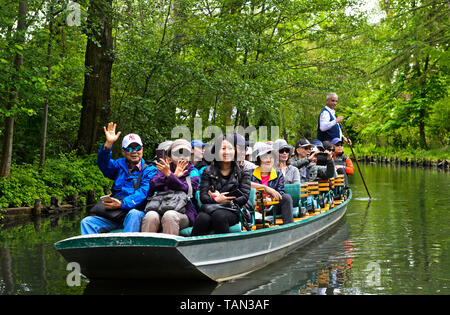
(160, 196)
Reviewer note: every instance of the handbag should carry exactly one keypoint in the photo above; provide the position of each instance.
(246, 218)
(116, 215)
(243, 213)
(175, 200)
(210, 208)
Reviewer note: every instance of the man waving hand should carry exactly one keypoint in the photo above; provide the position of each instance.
(124, 208)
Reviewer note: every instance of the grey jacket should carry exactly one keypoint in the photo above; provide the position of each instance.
(310, 172)
(292, 175)
(307, 169)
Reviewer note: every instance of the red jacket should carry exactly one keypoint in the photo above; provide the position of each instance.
(344, 160)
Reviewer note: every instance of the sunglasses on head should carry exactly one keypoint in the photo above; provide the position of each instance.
(131, 149)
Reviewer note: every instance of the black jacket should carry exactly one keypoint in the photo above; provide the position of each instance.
(213, 180)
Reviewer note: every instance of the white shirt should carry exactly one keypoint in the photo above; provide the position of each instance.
(325, 120)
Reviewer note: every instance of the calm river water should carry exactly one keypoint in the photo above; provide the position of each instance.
(396, 244)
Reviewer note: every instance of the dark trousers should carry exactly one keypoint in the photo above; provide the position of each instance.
(286, 208)
(219, 222)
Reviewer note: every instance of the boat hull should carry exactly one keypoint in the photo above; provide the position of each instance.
(211, 257)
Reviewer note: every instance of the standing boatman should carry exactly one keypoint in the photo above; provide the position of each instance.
(328, 125)
(328, 128)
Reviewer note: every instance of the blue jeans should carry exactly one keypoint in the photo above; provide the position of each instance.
(96, 224)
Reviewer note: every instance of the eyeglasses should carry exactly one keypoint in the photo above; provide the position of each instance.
(131, 149)
(338, 145)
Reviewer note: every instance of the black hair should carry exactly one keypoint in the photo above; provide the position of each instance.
(327, 145)
(214, 156)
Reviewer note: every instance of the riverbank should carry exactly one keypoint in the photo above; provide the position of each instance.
(65, 182)
(430, 163)
(434, 158)
(58, 206)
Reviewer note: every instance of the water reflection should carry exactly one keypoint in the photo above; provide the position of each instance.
(330, 280)
(28, 262)
(299, 270)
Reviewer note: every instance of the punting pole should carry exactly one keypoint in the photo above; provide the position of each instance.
(356, 159)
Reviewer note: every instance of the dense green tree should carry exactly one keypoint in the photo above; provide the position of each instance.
(410, 75)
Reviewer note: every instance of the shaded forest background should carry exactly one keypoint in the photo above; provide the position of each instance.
(152, 65)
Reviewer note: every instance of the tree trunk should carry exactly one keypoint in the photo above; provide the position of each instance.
(45, 114)
(422, 112)
(95, 110)
(179, 17)
(283, 125)
(7, 147)
(7, 143)
(43, 136)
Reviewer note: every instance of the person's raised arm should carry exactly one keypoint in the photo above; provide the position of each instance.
(107, 165)
(111, 135)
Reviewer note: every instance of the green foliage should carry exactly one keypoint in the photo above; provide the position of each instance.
(439, 125)
(61, 177)
(22, 188)
(53, 70)
(231, 63)
(405, 105)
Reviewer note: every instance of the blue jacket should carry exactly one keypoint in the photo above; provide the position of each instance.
(123, 187)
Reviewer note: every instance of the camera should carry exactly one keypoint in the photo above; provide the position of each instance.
(322, 158)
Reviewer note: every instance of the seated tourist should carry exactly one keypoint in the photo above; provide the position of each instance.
(175, 173)
(266, 177)
(291, 173)
(342, 162)
(198, 153)
(124, 208)
(303, 160)
(224, 189)
(241, 147)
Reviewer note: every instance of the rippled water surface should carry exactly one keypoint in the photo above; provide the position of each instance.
(398, 243)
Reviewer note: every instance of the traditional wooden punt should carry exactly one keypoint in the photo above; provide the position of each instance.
(216, 257)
